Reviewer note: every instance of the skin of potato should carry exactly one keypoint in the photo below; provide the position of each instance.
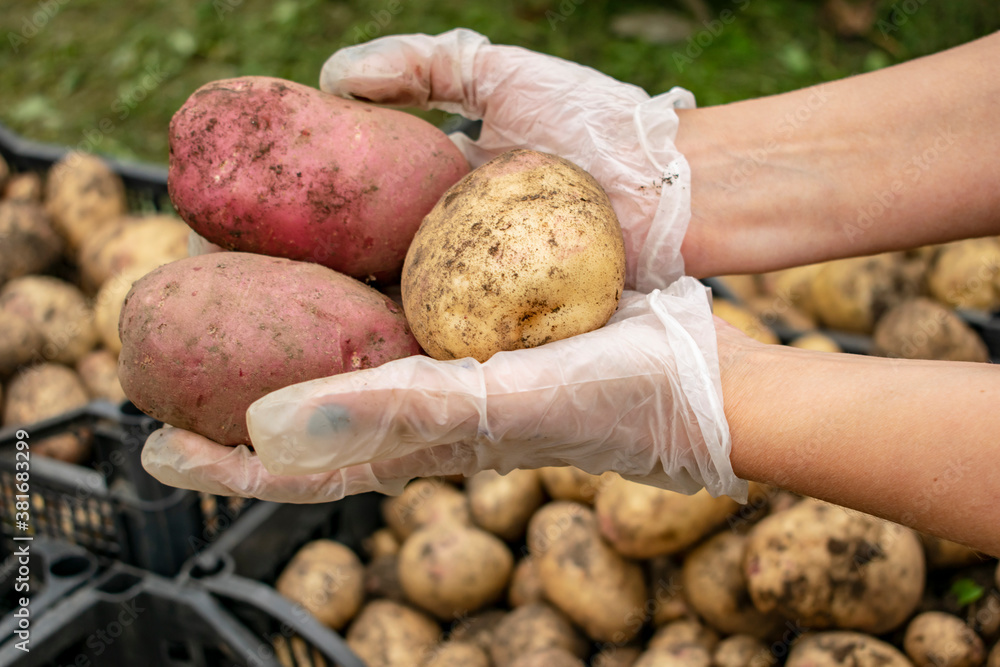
(616, 656)
(993, 660)
(716, 588)
(82, 195)
(326, 578)
(794, 286)
(675, 656)
(21, 342)
(771, 310)
(503, 504)
(263, 165)
(601, 591)
(478, 628)
(148, 241)
(666, 588)
(938, 639)
(450, 569)
(42, 391)
(390, 634)
(642, 521)
(966, 274)
(571, 483)
(28, 243)
(742, 651)
(206, 336)
(58, 310)
(382, 578)
(382, 542)
(458, 654)
(108, 304)
(524, 250)
(685, 632)
(942, 553)
(525, 584)
(532, 628)
(25, 187)
(817, 342)
(551, 657)
(744, 320)
(851, 294)
(99, 372)
(923, 329)
(844, 649)
(830, 567)
(425, 502)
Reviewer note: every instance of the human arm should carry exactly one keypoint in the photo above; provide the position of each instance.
(908, 440)
(897, 158)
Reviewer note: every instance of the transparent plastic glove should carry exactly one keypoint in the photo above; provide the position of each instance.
(640, 396)
(612, 129)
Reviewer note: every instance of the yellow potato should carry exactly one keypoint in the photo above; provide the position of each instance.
(83, 195)
(99, 372)
(524, 250)
(816, 341)
(389, 634)
(55, 308)
(326, 578)
(744, 320)
(502, 504)
(132, 242)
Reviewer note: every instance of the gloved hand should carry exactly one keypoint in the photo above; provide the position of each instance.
(529, 100)
(640, 396)
(637, 396)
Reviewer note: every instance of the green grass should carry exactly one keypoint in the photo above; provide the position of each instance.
(108, 77)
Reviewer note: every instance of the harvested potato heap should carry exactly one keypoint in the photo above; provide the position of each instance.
(610, 573)
(905, 301)
(68, 255)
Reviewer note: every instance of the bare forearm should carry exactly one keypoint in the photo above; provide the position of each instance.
(915, 442)
(897, 158)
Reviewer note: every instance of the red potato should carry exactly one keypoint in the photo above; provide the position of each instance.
(204, 337)
(269, 166)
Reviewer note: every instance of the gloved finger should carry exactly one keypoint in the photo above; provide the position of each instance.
(408, 70)
(187, 460)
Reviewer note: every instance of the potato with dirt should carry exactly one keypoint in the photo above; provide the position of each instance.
(642, 521)
(131, 242)
(744, 320)
(938, 639)
(844, 649)
(82, 196)
(269, 166)
(852, 294)
(425, 502)
(827, 566)
(571, 483)
(390, 634)
(451, 569)
(923, 329)
(249, 323)
(503, 504)
(550, 657)
(584, 576)
(525, 584)
(43, 391)
(458, 654)
(28, 243)
(716, 588)
(742, 651)
(326, 578)
(99, 372)
(21, 342)
(58, 310)
(966, 274)
(533, 628)
(524, 250)
(24, 187)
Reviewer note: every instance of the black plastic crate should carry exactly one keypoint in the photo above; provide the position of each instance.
(111, 506)
(131, 617)
(240, 568)
(145, 184)
(42, 571)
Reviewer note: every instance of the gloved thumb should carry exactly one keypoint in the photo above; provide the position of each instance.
(409, 71)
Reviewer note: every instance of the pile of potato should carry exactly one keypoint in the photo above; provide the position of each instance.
(69, 251)
(905, 301)
(557, 567)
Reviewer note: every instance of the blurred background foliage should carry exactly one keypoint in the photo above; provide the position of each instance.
(108, 76)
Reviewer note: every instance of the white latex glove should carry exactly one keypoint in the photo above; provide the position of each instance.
(612, 129)
(638, 396)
